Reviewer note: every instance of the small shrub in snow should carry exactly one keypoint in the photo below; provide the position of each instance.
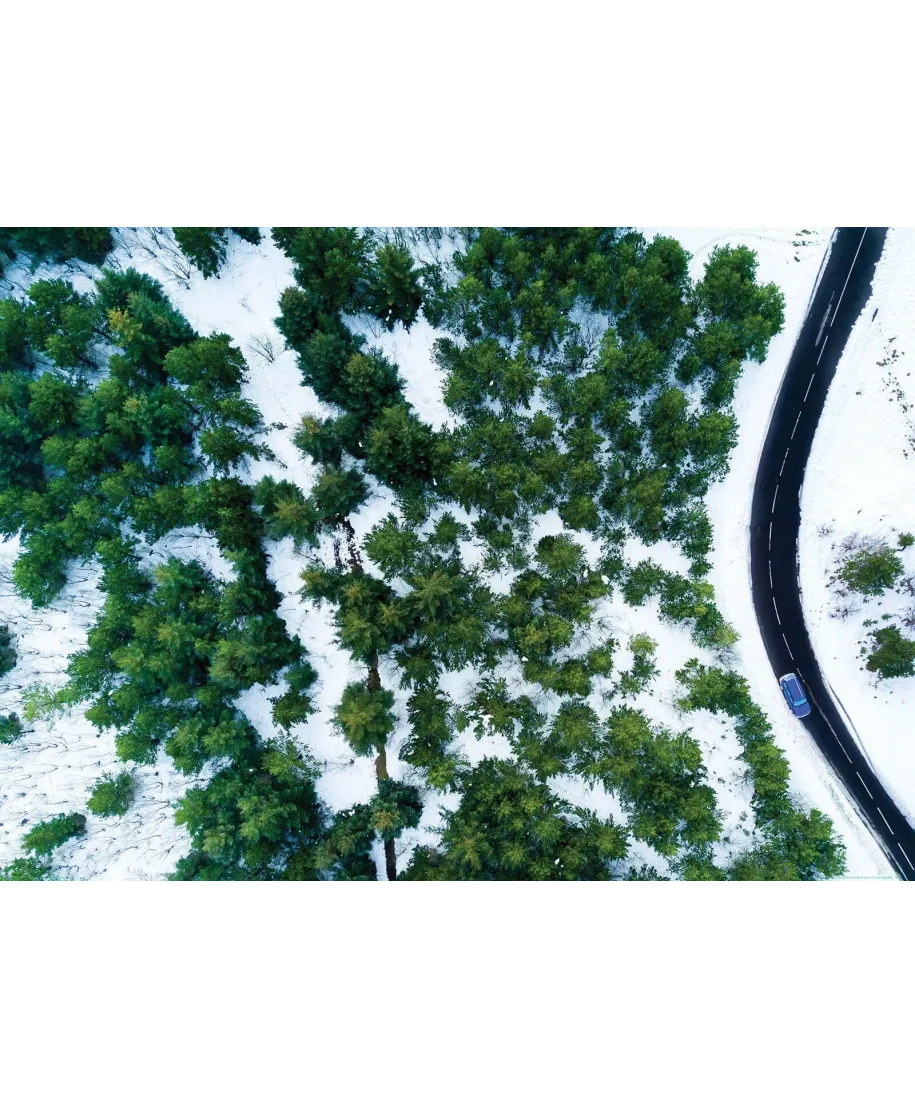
(39, 703)
(262, 346)
(10, 728)
(112, 796)
(872, 571)
(844, 608)
(7, 651)
(894, 656)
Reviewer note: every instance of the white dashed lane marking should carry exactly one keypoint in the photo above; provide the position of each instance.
(845, 286)
(884, 819)
(862, 781)
(823, 321)
(836, 735)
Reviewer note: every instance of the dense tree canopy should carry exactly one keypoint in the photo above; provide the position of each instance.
(588, 380)
(509, 827)
(56, 244)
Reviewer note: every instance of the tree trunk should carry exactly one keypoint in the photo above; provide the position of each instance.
(381, 773)
(373, 683)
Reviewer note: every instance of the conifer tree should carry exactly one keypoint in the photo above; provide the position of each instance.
(249, 234)
(364, 717)
(25, 870)
(10, 728)
(8, 655)
(204, 246)
(112, 795)
(13, 333)
(331, 262)
(400, 448)
(58, 244)
(50, 834)
(509, 827)
(395, 293)
(61, 323)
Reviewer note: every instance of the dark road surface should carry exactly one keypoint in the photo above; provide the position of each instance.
(844, 288)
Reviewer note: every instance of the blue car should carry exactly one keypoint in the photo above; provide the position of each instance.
(794, 695)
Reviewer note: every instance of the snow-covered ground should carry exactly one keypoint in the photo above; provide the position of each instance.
(860, 481)
(243, 302)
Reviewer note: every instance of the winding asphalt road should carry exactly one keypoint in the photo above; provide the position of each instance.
(843, 289)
